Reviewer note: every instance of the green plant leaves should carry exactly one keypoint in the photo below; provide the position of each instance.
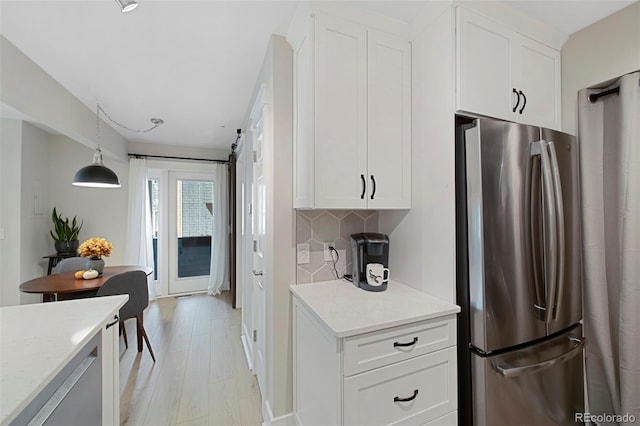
(64, 231)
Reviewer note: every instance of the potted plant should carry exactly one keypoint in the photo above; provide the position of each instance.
(66, 233)
(94, 249)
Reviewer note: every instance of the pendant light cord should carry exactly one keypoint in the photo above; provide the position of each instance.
(156, 122)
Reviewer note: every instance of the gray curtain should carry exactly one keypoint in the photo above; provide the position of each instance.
(609, 135)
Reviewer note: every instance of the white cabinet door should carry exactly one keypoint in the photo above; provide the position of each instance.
(389, 122)
(341, 114)
(503, 74)
(537, 75)
(483, 69)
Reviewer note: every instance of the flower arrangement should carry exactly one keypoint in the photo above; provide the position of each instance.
(95, 248)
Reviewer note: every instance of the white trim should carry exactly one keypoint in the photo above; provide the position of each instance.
(269, 420)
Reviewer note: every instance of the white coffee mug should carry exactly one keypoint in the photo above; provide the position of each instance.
(376, 274)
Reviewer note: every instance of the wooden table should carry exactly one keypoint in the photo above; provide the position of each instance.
(65, 285)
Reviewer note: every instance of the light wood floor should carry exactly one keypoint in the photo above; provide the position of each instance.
(200, 376)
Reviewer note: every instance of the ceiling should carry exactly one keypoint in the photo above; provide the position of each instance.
(191, 63)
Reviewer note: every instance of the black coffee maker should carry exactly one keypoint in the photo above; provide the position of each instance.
(368, 247)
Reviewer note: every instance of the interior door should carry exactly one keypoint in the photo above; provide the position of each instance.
(245, 163)
(190, 229)
(259, 234)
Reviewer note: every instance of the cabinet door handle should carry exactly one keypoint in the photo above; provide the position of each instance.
(404, 345)
(115, 321)
(410, 398)
(373, 180)
(364, 186)
(523, 103)
(517, 100)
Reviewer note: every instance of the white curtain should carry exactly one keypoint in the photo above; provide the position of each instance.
(139, 248)
(609, 135)
(219, 274)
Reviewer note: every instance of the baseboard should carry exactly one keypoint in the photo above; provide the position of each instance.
(269, 420)
(247, 353)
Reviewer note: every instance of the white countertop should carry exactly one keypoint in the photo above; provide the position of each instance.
(347, 310)
(37, 341)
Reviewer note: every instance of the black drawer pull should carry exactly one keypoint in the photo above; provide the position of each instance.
(411, 398)
(515, 108)
(115, 321)
(364, 187)
(403, 345)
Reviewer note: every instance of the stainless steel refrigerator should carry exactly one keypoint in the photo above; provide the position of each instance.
(519, 280)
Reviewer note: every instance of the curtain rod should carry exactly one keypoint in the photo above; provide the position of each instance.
(177, 158)
(595, 96)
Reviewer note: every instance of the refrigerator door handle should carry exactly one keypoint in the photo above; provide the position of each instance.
(557, 190)
(509, 371)
(549, 221)
(532, 211)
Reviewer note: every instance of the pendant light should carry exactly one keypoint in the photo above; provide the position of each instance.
(97, 175)
(127, 5)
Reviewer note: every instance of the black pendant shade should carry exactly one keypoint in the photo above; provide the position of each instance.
(97, 175)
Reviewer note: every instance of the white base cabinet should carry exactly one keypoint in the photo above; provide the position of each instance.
(503, 74)
(60, 362)
(401, 375)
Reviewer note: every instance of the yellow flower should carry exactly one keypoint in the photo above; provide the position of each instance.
(95, 247)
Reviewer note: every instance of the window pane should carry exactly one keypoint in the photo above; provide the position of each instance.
(195, 226)
(154, 200)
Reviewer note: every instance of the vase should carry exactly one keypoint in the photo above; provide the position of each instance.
(95, 264)
(66, 246)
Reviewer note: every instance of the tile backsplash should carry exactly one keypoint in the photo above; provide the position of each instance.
(315, 227)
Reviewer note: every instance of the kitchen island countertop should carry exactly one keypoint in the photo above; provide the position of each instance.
(37, 341)
(347, 310)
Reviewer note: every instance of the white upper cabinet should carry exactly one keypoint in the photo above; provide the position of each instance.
(389, 122)
(352, 95)
(503, 74)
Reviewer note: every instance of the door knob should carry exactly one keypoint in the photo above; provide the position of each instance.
(257, 273)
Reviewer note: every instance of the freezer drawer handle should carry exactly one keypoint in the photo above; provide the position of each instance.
(508, 371)
(404, 345)
(411, 398)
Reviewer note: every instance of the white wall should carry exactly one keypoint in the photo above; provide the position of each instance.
(10, 218)
(602, 51)
(35, 224)
(103, 211)
(30, 90)
(422, 240)
(25, 210)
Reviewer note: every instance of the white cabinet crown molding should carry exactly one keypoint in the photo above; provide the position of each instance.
(517, 21)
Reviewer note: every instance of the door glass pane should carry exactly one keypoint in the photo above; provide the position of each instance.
(194, 227)
(154, 200)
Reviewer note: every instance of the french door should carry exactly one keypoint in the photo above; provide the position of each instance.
(190, 213)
